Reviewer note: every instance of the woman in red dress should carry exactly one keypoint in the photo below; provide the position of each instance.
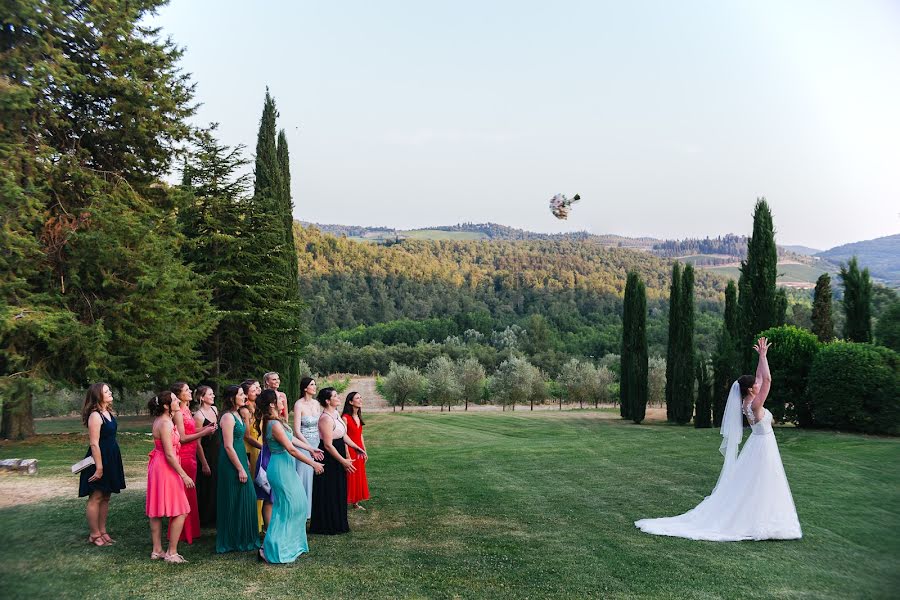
(188, 435)
(357, 484)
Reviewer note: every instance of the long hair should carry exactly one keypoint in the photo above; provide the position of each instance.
(229, 399)
(92, 401)
(158, 403)
(348, 409)
(246, 385)
(324, 394)
(304, 383)
(264, 402)
(746, 382)
(200, 392)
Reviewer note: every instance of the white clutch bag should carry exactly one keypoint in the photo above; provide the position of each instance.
(81, 465)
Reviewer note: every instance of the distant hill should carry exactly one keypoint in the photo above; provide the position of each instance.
(803, 250)
(881, 256)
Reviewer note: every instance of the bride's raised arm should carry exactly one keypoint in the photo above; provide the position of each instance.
(763, 376)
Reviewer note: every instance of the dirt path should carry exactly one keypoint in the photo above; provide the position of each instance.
(372, 400)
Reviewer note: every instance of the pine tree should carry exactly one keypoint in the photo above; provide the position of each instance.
(211, 219)
(758, 272)
(727, 358)
(634, 356)
(673, 346)
(92, 286)
(857, 302)
(683, 392)
(823, 323)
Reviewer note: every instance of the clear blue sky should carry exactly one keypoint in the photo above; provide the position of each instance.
(669, 118)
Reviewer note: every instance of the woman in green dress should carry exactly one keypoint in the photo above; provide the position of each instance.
(286, 536)
(236, 523)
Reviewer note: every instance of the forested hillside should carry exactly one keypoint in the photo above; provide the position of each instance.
(881, 256)
(413, 299)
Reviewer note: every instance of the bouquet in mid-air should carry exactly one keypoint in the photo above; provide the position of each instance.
(560, 205)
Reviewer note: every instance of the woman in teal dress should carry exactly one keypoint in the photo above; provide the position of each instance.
(236, 524)
(286, 536)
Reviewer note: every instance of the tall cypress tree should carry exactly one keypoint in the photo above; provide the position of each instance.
(822, 320)
(758, 274)
(273, 331)
(292, 371)
(634, 357)
(683, 392)
(704, 395)
(726, 363)
(857, 302)
(781, 304)
(672, 345)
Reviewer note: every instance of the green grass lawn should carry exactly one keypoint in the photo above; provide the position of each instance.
(501, 505)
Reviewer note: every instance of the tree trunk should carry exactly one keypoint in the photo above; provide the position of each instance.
(18, 421)
(467, 404)
(596, 403)
(580, 403)
(532, 405)
(560, 404)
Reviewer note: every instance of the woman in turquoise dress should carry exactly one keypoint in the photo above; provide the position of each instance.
(286, 536)
(237, 528)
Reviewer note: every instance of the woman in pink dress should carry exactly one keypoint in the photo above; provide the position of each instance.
(188, 434)
(166, 480)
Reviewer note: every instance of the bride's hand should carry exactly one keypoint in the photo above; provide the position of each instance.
(762, 346)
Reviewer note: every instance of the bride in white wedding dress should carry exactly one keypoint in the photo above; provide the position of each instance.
(752, 499)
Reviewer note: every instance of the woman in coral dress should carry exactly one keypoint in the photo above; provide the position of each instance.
(357, 484)
(166, 480)
(188, 434)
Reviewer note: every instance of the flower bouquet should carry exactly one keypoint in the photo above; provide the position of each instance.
(560, 205)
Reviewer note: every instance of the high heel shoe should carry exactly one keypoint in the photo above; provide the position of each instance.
(97, 540)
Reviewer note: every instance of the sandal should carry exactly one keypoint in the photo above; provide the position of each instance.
(97, 540)
(157, 555)
(107, 539)
(174, 558)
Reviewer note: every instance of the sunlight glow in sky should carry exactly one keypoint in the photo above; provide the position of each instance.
(669, 118)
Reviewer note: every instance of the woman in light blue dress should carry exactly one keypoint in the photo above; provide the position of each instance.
(286, 536)
(306, 423)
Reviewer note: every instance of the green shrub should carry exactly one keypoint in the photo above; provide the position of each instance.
(856, 387)
(790, 359)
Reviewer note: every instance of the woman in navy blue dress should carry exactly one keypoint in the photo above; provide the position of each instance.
(106, 476)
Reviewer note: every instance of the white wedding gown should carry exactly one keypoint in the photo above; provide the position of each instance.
(751, 501)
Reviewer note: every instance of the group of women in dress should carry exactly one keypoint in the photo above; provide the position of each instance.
(242, 469)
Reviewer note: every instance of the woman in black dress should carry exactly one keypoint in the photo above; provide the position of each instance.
(208, 454)
(329, 499)
(106, 476)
